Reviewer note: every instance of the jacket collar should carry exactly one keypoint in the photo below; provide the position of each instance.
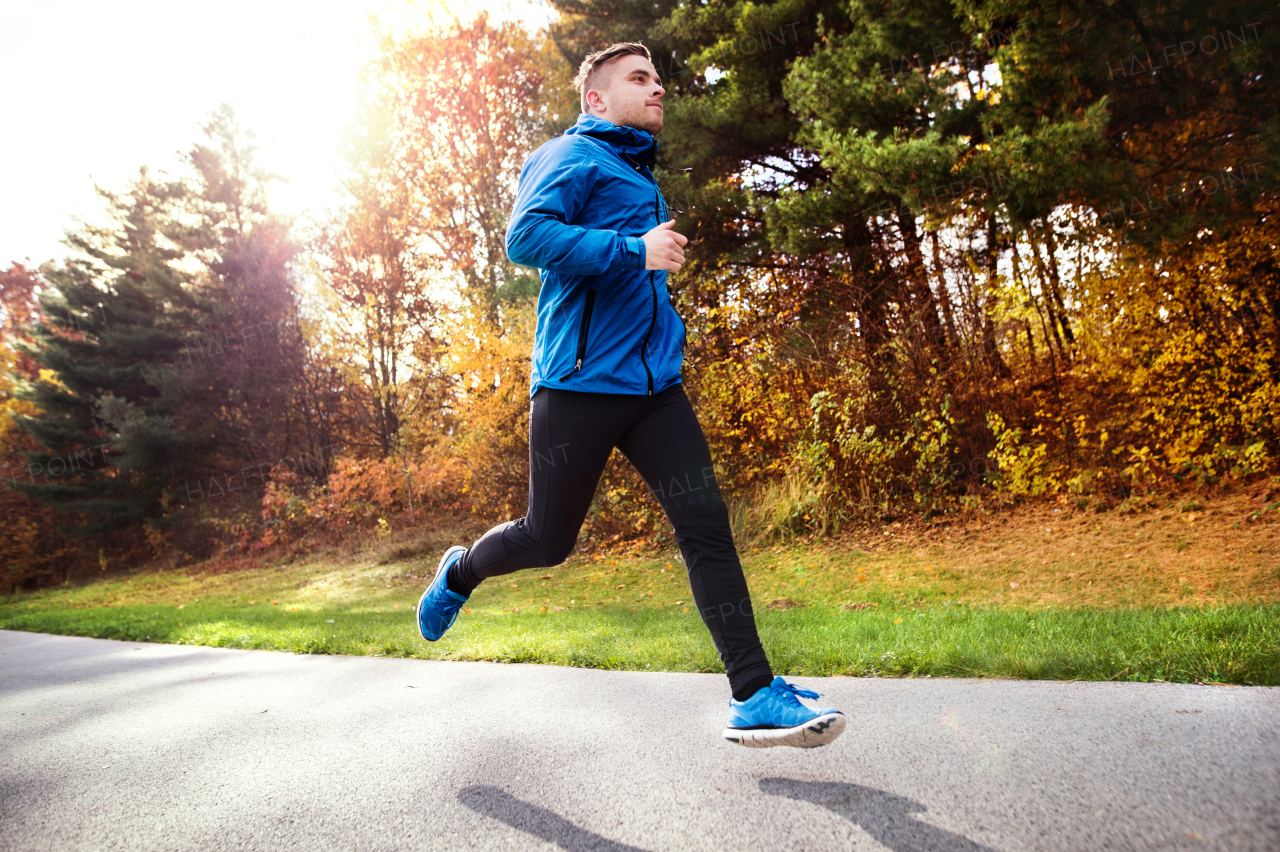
(631, 141)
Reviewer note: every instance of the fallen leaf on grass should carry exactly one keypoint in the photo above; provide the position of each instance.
(861, 605)
(783, 603)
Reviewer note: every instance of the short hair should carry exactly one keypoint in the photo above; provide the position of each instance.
(592, 67)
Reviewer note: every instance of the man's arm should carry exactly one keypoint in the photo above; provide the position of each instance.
(554, 188)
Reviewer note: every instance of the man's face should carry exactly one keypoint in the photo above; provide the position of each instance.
(631, 95)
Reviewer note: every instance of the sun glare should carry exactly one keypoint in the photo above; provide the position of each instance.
(94, 90)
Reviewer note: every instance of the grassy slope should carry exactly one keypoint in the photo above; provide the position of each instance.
(1166, 594)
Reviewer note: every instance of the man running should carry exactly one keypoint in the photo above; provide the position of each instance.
(607, 353)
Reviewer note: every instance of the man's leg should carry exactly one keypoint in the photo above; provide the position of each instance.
(669, 450)
(571, 435)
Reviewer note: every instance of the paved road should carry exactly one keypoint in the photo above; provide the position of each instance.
(134, 746)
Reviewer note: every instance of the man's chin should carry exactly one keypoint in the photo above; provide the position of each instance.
(644, 122)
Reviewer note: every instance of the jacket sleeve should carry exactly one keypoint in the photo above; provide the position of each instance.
(554, 187)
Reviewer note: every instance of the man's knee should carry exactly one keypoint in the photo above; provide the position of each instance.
(552, 552)
(698, 514)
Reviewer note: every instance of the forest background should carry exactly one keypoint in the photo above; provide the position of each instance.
(942, 257)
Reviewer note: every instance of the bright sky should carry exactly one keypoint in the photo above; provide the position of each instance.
(91, 90)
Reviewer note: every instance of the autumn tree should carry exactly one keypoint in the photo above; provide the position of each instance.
(468, 112)
(432, 321)
(377, 279)
(30, 547)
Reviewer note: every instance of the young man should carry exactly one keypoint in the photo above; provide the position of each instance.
(606, 373)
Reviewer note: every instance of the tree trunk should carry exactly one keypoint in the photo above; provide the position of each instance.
(926, 307)
(1020, 282)
(944, 296)
(990, 350)
(1055, 282)
(1053, 314)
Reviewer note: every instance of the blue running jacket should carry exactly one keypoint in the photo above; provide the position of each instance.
(584, 201)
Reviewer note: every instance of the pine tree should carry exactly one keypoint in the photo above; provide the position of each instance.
(111, 386)
(250, 365)
(171, 354)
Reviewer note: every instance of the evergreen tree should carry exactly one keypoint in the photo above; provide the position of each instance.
(111, 387)
(171, 354)
(1125, 109)
(250, 358)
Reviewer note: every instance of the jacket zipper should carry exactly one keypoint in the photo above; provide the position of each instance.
(653, 290)
(583, 327)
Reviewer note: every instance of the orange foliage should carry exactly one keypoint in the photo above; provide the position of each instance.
(365, 489)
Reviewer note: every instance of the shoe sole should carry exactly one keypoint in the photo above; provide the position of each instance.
(818, 731)
(443, 559)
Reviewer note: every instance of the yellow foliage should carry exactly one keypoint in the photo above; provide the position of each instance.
(492, 399)
(1199, 362)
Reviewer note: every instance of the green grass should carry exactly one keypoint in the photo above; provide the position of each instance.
(366, 608)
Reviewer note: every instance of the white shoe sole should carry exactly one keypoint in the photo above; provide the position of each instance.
(816, 732)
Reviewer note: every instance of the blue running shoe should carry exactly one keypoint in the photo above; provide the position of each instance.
(774, 716)
(438, 607)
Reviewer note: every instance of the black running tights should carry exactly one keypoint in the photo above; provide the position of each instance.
(571, 435)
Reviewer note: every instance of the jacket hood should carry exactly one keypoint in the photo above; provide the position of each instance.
(627, 140)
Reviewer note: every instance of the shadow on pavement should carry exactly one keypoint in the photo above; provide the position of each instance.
(538, 821)
(884, 816)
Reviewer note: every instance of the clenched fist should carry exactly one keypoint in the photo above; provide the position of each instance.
(663, 248)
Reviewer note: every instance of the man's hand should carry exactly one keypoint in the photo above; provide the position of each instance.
(662, 248)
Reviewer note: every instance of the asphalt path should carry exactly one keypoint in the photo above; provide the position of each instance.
(110, 745)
